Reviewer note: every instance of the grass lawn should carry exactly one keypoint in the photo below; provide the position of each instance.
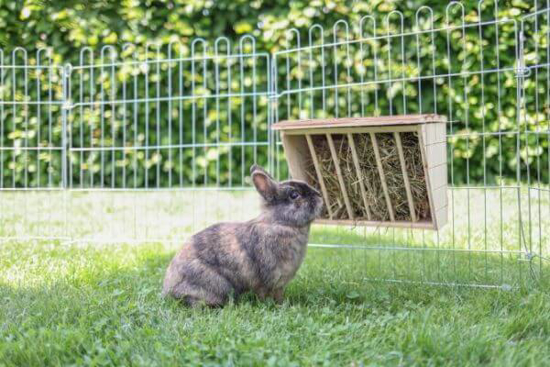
(89, 303)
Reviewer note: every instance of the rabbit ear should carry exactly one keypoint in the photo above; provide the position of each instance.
(255, 168)
(264, 184)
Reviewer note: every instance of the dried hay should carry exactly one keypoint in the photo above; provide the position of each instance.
(371, 179)
(417, 178)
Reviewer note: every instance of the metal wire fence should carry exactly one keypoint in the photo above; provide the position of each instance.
(150, 144)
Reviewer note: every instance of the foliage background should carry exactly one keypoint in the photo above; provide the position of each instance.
(65, 27)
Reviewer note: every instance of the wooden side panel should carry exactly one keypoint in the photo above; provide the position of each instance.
(422, 137)
(441, 217)
(440, 198)
(297, 153)
(437, 154)
(435, 144)
(438, 176)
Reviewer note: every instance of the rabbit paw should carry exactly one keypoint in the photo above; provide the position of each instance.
(278, 295)
(275, 294)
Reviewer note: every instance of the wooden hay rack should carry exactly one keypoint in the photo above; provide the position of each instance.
(388, 171)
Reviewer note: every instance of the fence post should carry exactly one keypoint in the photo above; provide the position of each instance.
(65, 107)
(522, 71)
(272, 115)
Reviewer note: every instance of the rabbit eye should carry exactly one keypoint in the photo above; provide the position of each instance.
(294, 195)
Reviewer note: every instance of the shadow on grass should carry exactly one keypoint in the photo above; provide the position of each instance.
(327, 277)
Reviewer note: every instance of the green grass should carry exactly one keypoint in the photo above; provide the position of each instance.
(89, 303)
(69, 304)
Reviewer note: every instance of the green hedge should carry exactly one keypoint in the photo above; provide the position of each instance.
(66, 27)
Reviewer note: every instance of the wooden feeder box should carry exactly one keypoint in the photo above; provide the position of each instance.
(388, 171)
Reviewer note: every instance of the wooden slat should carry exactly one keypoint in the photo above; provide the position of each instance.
(319, 175)
(410, 200)
(345, 130)
(359, 121)
(336, 162)
(382, 176)
(359, 174)
(422, 144)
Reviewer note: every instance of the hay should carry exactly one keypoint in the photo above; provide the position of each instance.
(393, 173)
(371, 178)
(373, 183)
(330, 177)
(417, 178)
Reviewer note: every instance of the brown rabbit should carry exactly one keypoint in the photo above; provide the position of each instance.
(261, 255)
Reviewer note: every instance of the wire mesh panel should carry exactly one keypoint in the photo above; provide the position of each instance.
(31, 144)
(461, 67)
(183, 123)
(166, 119)
(535, 120)
(31, 122)
(153, 142)
(180, 124)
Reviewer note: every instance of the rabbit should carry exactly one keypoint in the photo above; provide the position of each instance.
(262, 255)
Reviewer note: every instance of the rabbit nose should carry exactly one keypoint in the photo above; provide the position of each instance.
(320, 201)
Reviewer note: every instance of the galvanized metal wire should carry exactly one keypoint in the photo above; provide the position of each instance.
(151, 143)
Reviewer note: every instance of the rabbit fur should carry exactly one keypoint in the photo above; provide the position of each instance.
(261, 255)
